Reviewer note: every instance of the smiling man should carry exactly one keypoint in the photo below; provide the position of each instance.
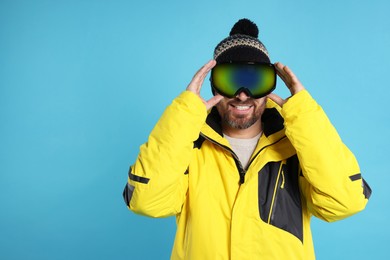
(245, 171)
(241, 113)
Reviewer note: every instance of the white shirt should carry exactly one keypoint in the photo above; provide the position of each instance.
(243, 148)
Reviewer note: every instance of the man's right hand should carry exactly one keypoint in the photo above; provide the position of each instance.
(197, 81)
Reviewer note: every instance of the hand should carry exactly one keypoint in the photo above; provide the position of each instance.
(291, 81)
(197, 81)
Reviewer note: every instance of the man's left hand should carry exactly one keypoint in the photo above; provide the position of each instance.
(291, 81)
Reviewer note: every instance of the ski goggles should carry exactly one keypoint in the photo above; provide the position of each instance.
(255, 79)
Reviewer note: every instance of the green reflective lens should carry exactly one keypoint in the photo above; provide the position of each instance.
(256, 79)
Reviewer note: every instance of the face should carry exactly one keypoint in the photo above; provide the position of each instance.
(241, 112)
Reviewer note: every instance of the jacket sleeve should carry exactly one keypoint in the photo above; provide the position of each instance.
(332, 185)
(157, 182)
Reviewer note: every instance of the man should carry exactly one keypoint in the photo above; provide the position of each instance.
(244, 171)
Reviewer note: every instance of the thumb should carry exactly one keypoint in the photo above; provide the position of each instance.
(213, 101)
(278, 100)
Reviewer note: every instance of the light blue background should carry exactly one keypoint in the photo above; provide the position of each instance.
(83, 82)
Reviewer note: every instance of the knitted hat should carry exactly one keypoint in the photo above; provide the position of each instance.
(242, 45)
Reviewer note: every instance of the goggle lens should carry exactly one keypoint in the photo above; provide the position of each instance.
(255, 79)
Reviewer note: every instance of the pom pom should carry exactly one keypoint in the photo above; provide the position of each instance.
(245, 26)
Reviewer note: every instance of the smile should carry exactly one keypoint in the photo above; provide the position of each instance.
(242, 107)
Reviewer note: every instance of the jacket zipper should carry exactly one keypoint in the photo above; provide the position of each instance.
(241, 170)
(254, 157)
(279, 184)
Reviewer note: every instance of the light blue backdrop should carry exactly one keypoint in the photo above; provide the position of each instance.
(83, 82)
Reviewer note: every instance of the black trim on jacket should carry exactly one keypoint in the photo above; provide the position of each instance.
(272, 121)
(279, 196)
(128, 193)
(138, 178)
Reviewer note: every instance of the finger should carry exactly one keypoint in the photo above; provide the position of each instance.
(208, 66)
(290, 74)
(202, 72)
(282, 76)
(295, 84)
(200, 75)
(213, 101)
(279, 66)
(289, 78)
(280, 71)
(286, 72)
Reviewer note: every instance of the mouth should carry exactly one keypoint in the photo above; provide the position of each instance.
(241, 108)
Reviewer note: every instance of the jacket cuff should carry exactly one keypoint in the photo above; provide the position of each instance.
(186, 115)
(298, 104)
(192, 102)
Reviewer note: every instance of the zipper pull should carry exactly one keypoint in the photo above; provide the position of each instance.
(242, 176)
(282, 172)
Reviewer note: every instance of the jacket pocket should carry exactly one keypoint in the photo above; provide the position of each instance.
(279, 196)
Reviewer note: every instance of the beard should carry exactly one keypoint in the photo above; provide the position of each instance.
(240, 122)
(234, 119)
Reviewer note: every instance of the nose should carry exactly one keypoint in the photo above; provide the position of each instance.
(242, 96)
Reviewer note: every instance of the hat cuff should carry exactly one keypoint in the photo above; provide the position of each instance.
(239, 40)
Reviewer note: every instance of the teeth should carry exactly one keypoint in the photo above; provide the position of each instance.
(242, 107)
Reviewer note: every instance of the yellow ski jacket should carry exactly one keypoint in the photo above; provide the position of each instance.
(300, 168)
